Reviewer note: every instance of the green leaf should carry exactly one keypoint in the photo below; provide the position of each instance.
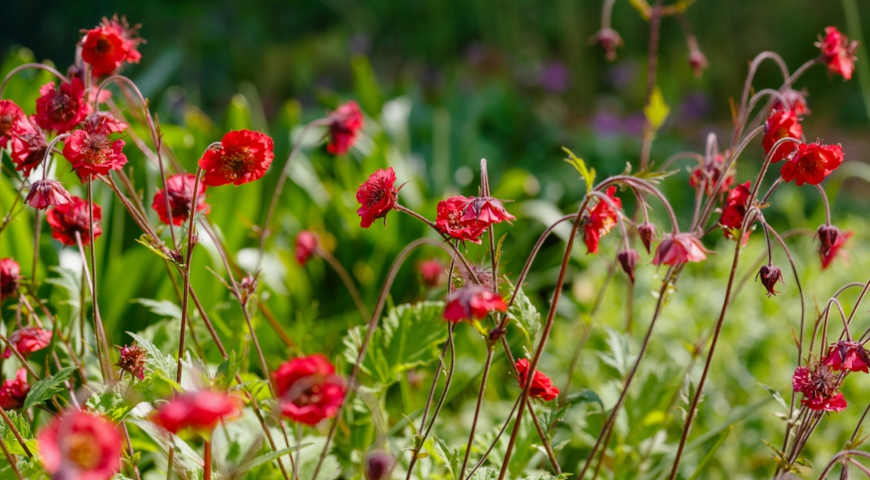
(46, 388)
(452, 458)
(163, 308)
(226, 372)
(704, 461)
(110, 404)
(547, 476)
(526, 315)
(588, 174)
(366, 85)
(656, 110)
(156, 359)
(23, 426)
(262, 459)
(484, 473)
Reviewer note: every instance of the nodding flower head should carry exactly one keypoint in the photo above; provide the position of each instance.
(698, 62)
(600, 220)
(828, 236)
(838, 52)
(679, 248)
(308, 389)
(13, 391)
(10, 277)
(451, 219)
(27, 340)
(472, 302)
(848, 355)
(244, 156)
(608, 39)
(795, 100)
(542, 387)
(68, 219)
(28, 145)
(179, 193)
(736, 204)
(647, 233)
(770, 276)
(60, 109)
(708, 175)
(836, 249)
(345, 124)
(377, 196)
(486, 211)
(628, 261)
(781, 124)
(9, 114)
(379, 466)
(47, 193)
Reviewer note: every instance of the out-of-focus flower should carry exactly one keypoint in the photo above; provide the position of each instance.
(47, 193)
(600, 220)
(80, 445)
(472, 302)
(838, 52)
(109, 45)
(848, 355)
(132, 360)
(9, 114)
(828, 236)
(13, 392)
(60, 109)
(197, 411)
(308, 389)
(306, 246)
(28, 145)
(770, 276)
(27, 340)
(542, 387)
(10, 277)
(345, 124)
(179, 191)
(70, 218)
(379, 466)
(831, 254)
(432, 272)
(781, 124)
(608, 39)
(709, 174)
(679, 248)
(811, 163)
(698, 62)
(555, 77)
(377, 196)
(795, 101)
(244, 156)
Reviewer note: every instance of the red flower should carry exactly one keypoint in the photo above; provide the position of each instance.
(344, 125)
(735, 209)
(838, 52)
(244, 156)
(795, 101)
(180, 188)
(80, 445)
(109, 45)
(306, 245)
(679, 248)
(485, 210)
(132, 360)
(9, 114)
(848, 355)
(10, 276)
(710, 173)
(61, 109)
(379, 466)
(819, 386)
(801, 379)
(542, 387)
(91, 152)
(831, 254)
(770, 275)
(698, 62)
(812, 163)
(376, 196)
(608, 39)
(647, 233)
(450, 220)
(600, 221)
(104, 121)
(781, 124)
(28, 340)
(472, 302)
(28, 145)
(432, 272)
(70, 218)
(198, 411)
(14, 392)
(834, 403)
(308, 389)
(47, 193)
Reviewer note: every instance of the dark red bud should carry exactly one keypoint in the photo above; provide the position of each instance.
(770, 275)
(379, 466)
(828, 235)
(698, 62)
(608, 39)
(646, 232)
(628, 261)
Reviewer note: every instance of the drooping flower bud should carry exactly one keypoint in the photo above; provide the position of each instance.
(608, 39)
(698, 62)
(432, 272)
(379, 465)
(47, 193)
(133, 360)
(647, 232)
(628, 261)
(770, 275)
(828, 235)
(306, 245)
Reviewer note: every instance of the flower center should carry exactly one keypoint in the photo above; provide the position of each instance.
(96, 148)
(83, 451)
(235, 162)
(103, 46)
(62, 108)
(312, 396)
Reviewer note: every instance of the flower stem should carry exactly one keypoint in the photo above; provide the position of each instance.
(206, 458)
(345, 277)
(480, 394)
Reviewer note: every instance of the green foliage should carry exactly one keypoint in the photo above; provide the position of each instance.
(157, 361)
(526, 315)
(587, 174)
(22, 425)
(48, 387)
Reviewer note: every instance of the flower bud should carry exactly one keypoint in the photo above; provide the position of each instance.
(248, 287)
(646, 232)
(132, 360)
(306, 246)
(828, 235)
(379, 465)
(770, 275)
(698, 62)
(47, 193)
(608, 39)
(628, 262)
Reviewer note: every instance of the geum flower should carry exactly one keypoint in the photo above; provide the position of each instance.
(472, 302)
(308, 389)
(542, 387)
(485, 210)
(104, 120)
(795, 101)
(377, 196)
(27, 340)
(198, 412)
(345, 124)
(781, 124)
(10, 277)
(132, 360)
(709, 174)
(600, 220)
(848, 355)
(28, 145)
(244, 156)
(432, 272)
(679, 248)
(306, 246)
(811, 163)
(109, 45)
(770, 275)
(179, 193)
(838, 52)
(9, 114)
(13, 391)
(828, 256)
(47, 193)
(91, 152)
(819, 386)
(71, 218)
(451, 220)
(60, 109)
(80, 445)
(735, 210)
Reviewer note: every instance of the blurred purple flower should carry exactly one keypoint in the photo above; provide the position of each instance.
(606, 123)
(633, 124)
(695, 106)
(555, 77)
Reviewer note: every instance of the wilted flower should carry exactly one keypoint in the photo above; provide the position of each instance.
(376, 196)
(600, 220)
(61, 109)
(679, 248)
(831, 254)
(848, 355)
(608, 39)
(132, 360)
(13, 392)
(709, 174)
(109, 45)
(838, 52)
(450, 216)
(28, 145)
(10, 277)
(179, 191)
(244, 156)
(70, 218)
(379, 466)
(9, 114)
(770, 275)
(308, 389)
(306, 246)
(432, 272)
(819, 385)
(828, 236)
(812, 162)
(781, 124)
(197, 411)
(628, 261)
(344, 125)
(80, 445)
(542, 387)
(472, 302)
(27, 340)
(647, 233)
(47, 193)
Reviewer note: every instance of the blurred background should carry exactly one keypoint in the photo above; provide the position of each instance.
(444, 83)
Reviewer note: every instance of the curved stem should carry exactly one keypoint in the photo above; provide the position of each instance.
(348, 282)
(827, 205)
(27, 66)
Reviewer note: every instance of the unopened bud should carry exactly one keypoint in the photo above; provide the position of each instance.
(628, 261)
(828, 235)
(379, 466)
(698, 62)
(647, 232)
(608, 39)
(770, 275)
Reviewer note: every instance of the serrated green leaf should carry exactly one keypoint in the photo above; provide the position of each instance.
(156, 359)
(588, 174)
(262, 459)
(46, 388)
(484, 473)
(23, 426)
(528, 318)
(656, 110)
(111, 405)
